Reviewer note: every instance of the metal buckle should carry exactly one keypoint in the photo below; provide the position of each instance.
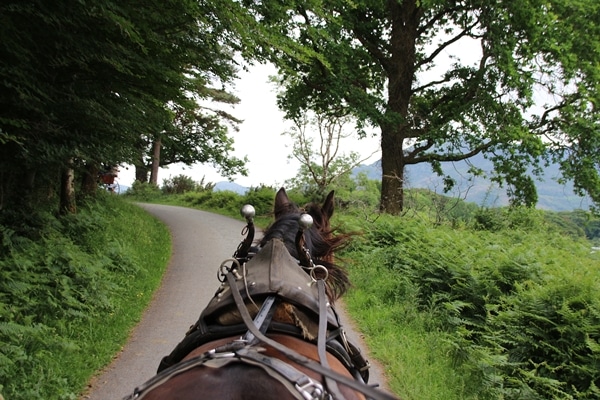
(311, 390)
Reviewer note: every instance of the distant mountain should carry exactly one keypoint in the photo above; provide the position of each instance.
(551, 195)
(230, 186)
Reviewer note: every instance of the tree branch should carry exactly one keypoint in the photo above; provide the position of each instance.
(451, 157)
(371, 47)
(437, 17)
(466, 32)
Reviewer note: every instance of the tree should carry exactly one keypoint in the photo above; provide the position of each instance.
(320, 168)
(85, 83)
(526, 95)
(194, 133)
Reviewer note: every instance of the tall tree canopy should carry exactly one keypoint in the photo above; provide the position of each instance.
(526, 96)
(85, 82)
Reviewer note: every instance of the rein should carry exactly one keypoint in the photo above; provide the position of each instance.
(249, 348)
(244, 350)
(300, 359)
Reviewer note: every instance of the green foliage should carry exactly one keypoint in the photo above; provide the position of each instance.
(181, 184)
(358, 194)
(143, 191)
(578, 221)
(224, 200)
(178, 184)
(85, 84)
(515, 310)
(64, 288)
(549, 335)
(196, 198)
(230, 203)
(380, 62)
(261, 198)
(497, 219)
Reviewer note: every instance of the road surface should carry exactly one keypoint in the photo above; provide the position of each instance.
(201, 241)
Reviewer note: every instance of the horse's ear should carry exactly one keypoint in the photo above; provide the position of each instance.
(328, 205)
(282, 202)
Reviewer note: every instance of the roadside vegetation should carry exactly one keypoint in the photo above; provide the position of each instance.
(71, 289)
(457, 301)
(501, 303)
(460, 301)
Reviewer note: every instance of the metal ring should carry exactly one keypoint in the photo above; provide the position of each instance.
(224, 269)
(320, 267)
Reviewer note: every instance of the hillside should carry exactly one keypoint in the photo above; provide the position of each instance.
(552, 195)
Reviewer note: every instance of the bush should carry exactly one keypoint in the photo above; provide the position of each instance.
(178, 185)
(144, 191)
(196, 198)
(550, 334)
(498, 219)
(182, 184)
(519, 309)
(261, 198)
(224, 200)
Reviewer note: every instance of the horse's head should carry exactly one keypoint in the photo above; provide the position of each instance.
(319, 239)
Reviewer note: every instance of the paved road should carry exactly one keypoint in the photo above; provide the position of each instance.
(201, 241)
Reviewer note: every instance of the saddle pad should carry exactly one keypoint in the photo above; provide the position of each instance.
(272, 271)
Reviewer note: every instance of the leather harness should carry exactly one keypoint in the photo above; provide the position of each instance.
(273, 276)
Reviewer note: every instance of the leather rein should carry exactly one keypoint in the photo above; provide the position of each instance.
(247, 349)
(299, 384)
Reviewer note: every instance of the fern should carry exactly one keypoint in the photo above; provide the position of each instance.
(519, 310)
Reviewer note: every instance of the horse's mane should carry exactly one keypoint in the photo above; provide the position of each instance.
(321, 240)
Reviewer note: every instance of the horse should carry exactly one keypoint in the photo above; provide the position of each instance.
(271, 331)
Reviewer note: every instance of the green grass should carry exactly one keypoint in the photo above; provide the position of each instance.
(413, 353)
(144, 241)
(463, 313)
(70, 295)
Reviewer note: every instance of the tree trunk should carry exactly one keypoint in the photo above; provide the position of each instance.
(67, 190)
(141, 173)
(395, 131)
(89, 181)
(392, 177)
(155, 161)
(141, 169)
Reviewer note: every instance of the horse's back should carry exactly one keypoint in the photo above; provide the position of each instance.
(236, 382)
(241, 381)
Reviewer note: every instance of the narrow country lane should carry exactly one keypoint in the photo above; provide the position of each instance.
(201, 241)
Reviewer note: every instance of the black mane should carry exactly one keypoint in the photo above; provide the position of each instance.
(319, 240)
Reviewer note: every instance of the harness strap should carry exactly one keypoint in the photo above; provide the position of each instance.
(157, 380)
(301, 384)
(294, 356)
(322, 339)
(262, 319)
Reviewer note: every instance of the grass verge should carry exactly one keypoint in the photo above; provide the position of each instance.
(145, 242)
(70, 295)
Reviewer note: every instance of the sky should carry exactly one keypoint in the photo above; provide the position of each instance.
(259, 138)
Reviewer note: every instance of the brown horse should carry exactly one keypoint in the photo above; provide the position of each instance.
(270, 332)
